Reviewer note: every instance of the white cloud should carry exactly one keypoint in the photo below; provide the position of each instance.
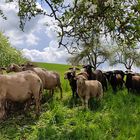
(38, 41)
(11, 26)
(51, 54)
(32, 39)
(30, 36)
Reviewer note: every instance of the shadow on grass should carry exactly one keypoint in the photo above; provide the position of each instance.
(72, 102)
(19, 122)
(94, 105)
(16, 124)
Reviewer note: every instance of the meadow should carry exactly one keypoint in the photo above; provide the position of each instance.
(117, 117)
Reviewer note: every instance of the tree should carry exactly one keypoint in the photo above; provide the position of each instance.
(93, 53)
(78, 20)
(127, 55)
(118, 18)
(2, 15)
(9, 54)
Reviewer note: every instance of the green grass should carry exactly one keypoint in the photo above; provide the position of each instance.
(60, 68)
(115, 117)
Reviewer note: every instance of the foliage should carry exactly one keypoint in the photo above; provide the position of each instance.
(9, 54)
(80, 19)
(115, 117)
(94, 53)
(125, 54)
(2, 14)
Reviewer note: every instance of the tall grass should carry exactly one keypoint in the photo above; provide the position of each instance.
(117, 116)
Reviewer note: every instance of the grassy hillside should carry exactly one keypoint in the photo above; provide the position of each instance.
(117, 116)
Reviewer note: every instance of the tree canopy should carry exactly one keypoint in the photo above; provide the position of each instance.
(93, 53)
(9, 54)
(127, 55)
(79, 21)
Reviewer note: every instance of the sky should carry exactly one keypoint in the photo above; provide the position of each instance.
(38, 42)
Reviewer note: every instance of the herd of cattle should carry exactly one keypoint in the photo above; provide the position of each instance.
(26, 85)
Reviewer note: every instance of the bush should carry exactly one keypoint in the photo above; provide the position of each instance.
(8, 54)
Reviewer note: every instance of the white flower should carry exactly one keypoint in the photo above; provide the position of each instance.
(92, 9)
(79, 2)
(88, 4)
(109, 2)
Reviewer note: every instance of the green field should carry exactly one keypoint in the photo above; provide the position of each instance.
(117, 117)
